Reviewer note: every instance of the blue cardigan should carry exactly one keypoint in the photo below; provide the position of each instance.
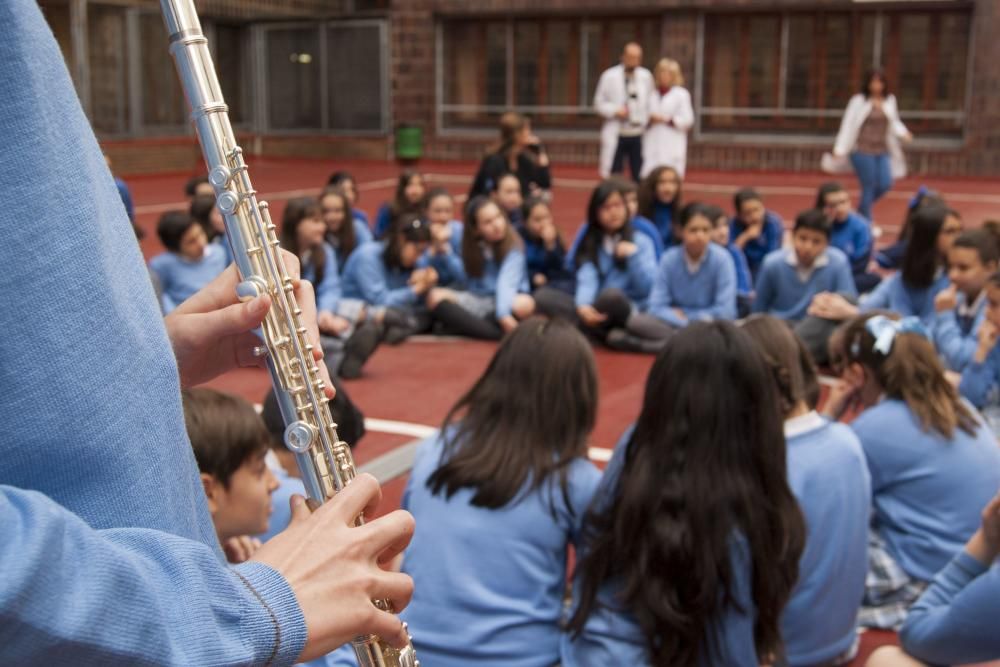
(707, 294)
(895, 295)
(635, 278)
(181, 277)
(328, 292)
(854, 238)
(366, 277)
(956, 340)
(109, 553)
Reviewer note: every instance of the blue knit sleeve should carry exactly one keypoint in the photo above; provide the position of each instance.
(510, 280)
(978, 379)
(954, 621)
(588, 282)
(328, 292)
(75, 595)
(956, 349)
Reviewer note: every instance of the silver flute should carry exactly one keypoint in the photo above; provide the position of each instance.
(324, 460)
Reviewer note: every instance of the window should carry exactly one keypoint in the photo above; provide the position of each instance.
(547, 68)
(794, 73)
(357, 94)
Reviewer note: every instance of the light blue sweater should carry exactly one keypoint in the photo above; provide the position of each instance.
(635, 279)
(955, 620)
(957, 347)
(108, 552)
(828, 474)
(328, 292)
(895, 295)
(611, 635)
(707, 294)
(781, 292)
(502, 280)
(927, 491)
(181, 277)
(366, 277)
(491, 582)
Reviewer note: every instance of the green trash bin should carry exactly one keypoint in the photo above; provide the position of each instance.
(409, 142)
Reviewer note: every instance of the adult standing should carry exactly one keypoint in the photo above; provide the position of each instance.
(670, 119)
(870, 135)
(519, 152)
(622, 100)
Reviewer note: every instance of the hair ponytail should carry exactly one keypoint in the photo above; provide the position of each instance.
(911, 372)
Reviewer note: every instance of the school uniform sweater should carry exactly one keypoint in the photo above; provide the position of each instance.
(768, 241)
(853, 236)
(182, 277)
(954, 621)
(328, 291)
(549, 263)
(955, 332)
(895, 295)
(705, 294)
(491, 580)
(366, 277)
(108, 550)
(744, 281)
(639, 224)
(635, 279)
(611, 634)
(362, 235)
(785, 292)
(663, 219)
(501, 280)
(928, 491)
(449, 267)
(360, 215)
(828, 474)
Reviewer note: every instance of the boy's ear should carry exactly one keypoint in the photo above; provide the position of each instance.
(212, 489)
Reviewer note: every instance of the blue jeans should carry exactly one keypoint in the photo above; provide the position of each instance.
(875, 176)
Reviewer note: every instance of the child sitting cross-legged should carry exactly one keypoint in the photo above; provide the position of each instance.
(230, 443)
(190, 263)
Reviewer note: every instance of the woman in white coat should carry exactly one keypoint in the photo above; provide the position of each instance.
(664, 143)
(622, 100)
(870, 135)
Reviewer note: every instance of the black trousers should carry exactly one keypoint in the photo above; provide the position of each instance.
(631, 148)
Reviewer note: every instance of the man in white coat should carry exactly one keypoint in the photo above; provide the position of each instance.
(622, 100)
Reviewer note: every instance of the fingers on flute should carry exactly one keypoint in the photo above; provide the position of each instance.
(362, 495)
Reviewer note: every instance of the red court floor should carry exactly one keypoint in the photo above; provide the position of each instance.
(417, 382)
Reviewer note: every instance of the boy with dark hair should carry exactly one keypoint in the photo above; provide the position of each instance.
(230, 443)
(197, 186)
(790, 277)
(849, 231)
(190, 263)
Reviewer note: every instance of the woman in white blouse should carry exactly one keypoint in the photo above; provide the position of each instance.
(670, 118)
(870, 135)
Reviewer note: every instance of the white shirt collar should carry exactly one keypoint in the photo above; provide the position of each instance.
(806, 272)
(965, 309)
(693, 266)
(796, 426)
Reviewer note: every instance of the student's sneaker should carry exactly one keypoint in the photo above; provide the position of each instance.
(623, 341)
(358, 348)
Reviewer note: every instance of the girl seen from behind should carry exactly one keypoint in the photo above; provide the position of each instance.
(934, 464)
(829, 476)
(499, 495)
(682, 564)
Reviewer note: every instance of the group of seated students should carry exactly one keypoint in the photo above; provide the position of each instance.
(741, 520)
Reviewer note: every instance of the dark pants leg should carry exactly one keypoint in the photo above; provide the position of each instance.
(815, 333)
(613, 303)
(459, 321)
(629, 148)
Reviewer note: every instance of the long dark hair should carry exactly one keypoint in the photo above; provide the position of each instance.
(912, 373)
(592, 237)
(792, 367)
(344, 239)
(409, 228)
(400, 204)
(472, 254)
(527, 418)
(647, 194)
(297, 210)
(705, 466)
(922, 260)
(871, 75)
